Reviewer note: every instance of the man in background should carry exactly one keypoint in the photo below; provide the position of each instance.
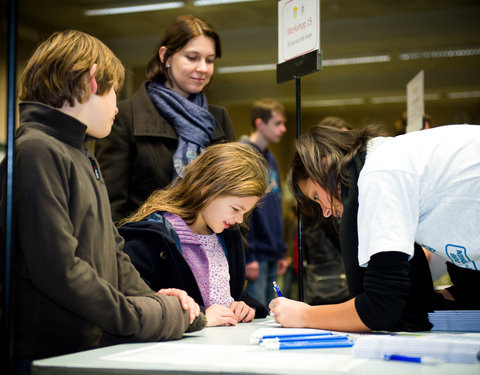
(266, 248)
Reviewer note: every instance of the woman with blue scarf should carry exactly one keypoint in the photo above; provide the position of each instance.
(168, 121)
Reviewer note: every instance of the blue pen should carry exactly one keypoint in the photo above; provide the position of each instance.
(277, 289)
(295, 336)
(308, 344)
(305, 338)
(404, 358)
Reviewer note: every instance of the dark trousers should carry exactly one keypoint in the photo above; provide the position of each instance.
(465, 287)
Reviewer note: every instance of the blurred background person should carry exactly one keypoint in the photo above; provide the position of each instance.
(266, 247)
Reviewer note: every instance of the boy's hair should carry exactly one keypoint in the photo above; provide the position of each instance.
(263, 109)
(58, 71)
(234, 169)
(176, 36)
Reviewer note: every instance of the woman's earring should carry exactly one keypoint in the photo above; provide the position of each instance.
(168, 66)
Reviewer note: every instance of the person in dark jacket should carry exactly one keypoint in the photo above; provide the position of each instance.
(391, 193)
(266, 246)
(168, 121)
(180, 236)
(75, 289)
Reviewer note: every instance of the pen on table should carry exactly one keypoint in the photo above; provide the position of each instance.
(404, 358)
(296, 336)
(273, 344)
(324, 338)
(277, 289)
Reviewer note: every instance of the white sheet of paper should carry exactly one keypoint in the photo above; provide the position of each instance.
(198, 356)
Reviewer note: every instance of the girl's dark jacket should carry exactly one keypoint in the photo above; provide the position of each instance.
(155, 250)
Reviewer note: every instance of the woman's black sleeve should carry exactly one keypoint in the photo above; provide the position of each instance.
(386, 286)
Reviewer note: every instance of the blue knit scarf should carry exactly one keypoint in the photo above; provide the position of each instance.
(190, 118)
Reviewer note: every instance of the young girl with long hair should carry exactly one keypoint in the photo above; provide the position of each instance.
(180, 237)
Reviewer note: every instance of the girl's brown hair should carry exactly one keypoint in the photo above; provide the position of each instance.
(233, 169)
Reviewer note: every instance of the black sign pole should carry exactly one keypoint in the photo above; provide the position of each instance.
(294, 69)
(299, 219)
(7, 340)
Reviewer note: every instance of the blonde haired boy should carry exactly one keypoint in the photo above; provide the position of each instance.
(75, 288)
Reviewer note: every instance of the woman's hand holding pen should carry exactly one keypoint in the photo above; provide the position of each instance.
(187, 302)
(289, 313)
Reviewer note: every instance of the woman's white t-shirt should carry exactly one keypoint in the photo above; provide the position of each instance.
(422, 187)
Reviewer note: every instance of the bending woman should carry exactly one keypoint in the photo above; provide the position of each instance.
(389, 193)
(168, 121)
(176, 239)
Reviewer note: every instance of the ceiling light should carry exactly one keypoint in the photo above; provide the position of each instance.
(440, 54)
(401, 98)
(463, 94)
(332, 102)
(356, 60)
(389, 99)
(134, 8)
(246, 68)
(200, 3)
(326, 62)
(434, 96)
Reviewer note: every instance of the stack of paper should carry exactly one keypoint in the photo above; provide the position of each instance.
(463, 348)
(455, 320)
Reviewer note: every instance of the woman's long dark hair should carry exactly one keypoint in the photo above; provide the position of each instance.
(323, 154)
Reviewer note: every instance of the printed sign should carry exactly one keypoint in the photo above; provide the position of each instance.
(298, 28)
(415, 103)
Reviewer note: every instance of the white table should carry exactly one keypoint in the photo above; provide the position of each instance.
(226, 350)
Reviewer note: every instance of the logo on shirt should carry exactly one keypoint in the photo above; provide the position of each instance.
(458, 256)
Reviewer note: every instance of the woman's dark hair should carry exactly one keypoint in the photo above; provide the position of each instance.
(175, 37)
(323, 154)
